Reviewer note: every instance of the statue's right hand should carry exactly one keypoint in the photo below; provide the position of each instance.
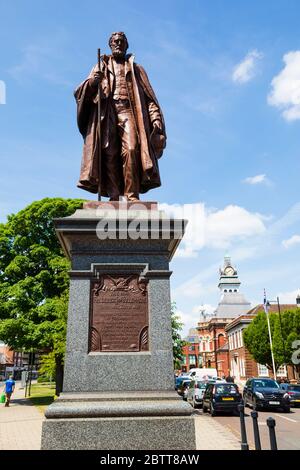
(96, 78)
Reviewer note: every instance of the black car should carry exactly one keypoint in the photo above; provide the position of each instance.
(294, 392)
(221, 397)
(265, 393)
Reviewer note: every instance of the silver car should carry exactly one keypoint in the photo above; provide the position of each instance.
(195, 392)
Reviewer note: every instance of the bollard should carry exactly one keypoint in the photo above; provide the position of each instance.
(254, 416)
(244, 443)
(271, 425)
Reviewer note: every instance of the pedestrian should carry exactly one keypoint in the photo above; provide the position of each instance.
(9, 389)
(229, 378)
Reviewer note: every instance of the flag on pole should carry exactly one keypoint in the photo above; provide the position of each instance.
(266, 303)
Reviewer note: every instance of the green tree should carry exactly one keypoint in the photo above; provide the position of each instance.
(34, 280)
(284, 332)
(178, 342)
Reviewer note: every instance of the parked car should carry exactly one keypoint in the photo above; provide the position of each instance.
(265, 393)
(221, 397)
(182, 389)
(294, 392)
(195, 392)
(180, 379)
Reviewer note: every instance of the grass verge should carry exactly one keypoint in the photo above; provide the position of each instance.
(42, 395)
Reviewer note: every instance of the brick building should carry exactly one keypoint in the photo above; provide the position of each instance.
(242, 364)
(210, 345)
(191, 351)
(217, 341)
(6, 359)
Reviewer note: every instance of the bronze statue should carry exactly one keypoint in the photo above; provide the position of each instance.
(132, 132)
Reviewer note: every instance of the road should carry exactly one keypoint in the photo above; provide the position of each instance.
(287, 427)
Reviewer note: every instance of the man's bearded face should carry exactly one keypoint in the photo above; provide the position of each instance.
(118, 46)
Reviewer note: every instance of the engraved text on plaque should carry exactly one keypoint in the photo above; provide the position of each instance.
(119, 313)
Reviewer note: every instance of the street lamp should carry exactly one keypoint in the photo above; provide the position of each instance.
(279, 315)
(266, 309)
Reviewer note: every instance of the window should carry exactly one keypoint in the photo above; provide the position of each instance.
(192, 360)
(221, 340)
(282, 372)
(242, 367)
(242, 342)
(239, 339)
(265, 383)
(263, 371)
(225, 388)
(192, 348)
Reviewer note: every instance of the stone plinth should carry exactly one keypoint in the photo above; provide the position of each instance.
(118, 390)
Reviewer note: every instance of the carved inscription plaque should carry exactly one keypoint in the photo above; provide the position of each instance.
(119, 313)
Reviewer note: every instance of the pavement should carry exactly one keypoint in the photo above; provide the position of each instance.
(20, 423)
(21, 427)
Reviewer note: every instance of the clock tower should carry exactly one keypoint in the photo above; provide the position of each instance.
(232, 303)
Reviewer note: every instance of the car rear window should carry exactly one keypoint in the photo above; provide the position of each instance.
(225, 388)
(201, 384)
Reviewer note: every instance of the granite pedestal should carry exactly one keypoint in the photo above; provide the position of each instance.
(118, 395)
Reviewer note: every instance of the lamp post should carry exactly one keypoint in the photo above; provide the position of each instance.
(266, 308)
(280, 323)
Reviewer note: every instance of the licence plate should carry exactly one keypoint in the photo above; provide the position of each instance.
(274, 402)
(228, 399)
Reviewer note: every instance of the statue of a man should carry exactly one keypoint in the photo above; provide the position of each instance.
(132, 126)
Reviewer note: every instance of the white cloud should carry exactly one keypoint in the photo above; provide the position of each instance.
(214, 228)
(189, 320)
(288, 297)
(258, 179)
(294, 240)
(285, 93)
(246, 70)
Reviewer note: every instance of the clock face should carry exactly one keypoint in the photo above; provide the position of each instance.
(229, 271)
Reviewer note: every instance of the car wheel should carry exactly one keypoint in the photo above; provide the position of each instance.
(204, 409)
(195, 405)
(245, 402)
(212, 410)
(287, 409)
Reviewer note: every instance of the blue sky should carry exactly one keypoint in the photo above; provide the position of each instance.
(227, 75)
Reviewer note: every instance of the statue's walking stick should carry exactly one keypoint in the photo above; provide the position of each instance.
(99, 127)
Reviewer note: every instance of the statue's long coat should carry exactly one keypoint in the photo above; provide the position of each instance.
(140, 94)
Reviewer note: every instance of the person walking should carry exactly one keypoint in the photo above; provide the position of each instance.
(9, 389)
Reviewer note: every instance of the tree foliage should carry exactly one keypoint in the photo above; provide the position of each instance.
(284, 330)
(178, 342)
(34, 278)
